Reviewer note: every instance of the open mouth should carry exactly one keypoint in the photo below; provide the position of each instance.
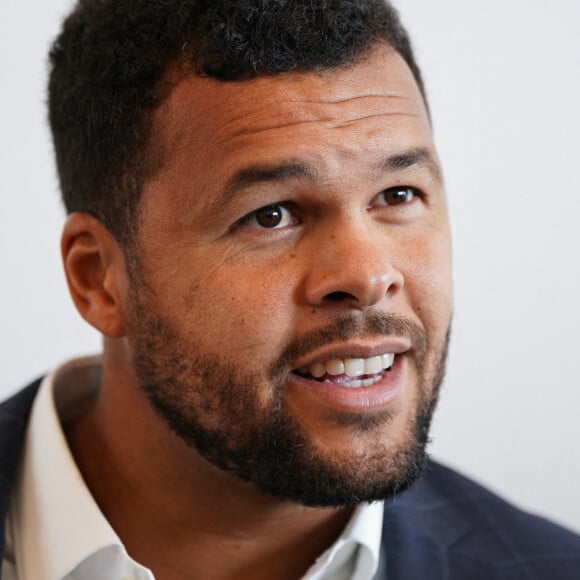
(350, 372)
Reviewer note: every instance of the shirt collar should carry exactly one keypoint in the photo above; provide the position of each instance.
(360, 540)
(60, 525)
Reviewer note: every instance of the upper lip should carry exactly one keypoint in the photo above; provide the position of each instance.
(394, 345)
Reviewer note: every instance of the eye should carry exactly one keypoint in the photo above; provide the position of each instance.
(397, 195)
(270, 217)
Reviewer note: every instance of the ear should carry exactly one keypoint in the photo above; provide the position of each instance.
(95, 271)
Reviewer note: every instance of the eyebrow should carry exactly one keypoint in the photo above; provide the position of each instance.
(420, 157)
(276, 173)
(270, 173)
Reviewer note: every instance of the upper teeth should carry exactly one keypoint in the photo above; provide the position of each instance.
(352, 367)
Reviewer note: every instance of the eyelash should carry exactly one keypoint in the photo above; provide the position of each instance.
(416, 194)
(290, 213)
(253, 216)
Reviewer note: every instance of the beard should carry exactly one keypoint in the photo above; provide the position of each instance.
(213, 405)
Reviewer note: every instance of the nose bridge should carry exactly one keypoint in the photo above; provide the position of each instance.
(352, 262)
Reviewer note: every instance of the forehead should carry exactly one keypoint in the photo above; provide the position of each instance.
(323, 116)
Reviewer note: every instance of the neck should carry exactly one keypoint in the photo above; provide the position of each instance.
(179, 515)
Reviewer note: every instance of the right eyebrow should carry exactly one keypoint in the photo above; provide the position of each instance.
(247, 177)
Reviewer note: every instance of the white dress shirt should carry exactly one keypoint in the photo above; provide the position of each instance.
(56, 531)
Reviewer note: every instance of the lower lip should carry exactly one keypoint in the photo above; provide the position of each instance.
(377, 397)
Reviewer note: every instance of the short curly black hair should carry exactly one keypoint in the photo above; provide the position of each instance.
(109, 59)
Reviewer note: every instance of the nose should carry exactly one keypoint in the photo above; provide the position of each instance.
(352, 266)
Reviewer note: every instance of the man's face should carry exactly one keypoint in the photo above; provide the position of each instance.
(293, 246)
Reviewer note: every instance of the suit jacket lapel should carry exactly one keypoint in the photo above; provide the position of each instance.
(14, 415)
(419, 529)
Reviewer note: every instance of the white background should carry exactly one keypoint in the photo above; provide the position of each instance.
(503, 78)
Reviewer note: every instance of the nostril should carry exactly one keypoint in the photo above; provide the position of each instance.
(337, 296)
(354, 285)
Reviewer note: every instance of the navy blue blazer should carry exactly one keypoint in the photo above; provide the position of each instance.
(445, 528)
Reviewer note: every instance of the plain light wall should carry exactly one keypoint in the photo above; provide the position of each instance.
(503, 79)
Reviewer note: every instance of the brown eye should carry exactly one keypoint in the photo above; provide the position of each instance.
(397, 195)
(270, 217)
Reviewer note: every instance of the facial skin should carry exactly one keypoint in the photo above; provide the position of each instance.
(226, 303)
(211, 314)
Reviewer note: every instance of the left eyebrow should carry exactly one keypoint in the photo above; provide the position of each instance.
(408, 159)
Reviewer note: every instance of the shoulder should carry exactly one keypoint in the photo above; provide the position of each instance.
(444, 489)
(14, 415)
(478, 532)
(14, 412)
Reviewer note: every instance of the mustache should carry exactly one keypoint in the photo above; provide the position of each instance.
(350, 327)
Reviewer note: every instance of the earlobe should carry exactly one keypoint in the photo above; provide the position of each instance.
(95, 271)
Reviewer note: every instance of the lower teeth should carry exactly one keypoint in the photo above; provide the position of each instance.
(353, 383)
(357, 383)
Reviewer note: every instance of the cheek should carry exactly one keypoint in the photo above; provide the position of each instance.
(428, 282)
(233, 304)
